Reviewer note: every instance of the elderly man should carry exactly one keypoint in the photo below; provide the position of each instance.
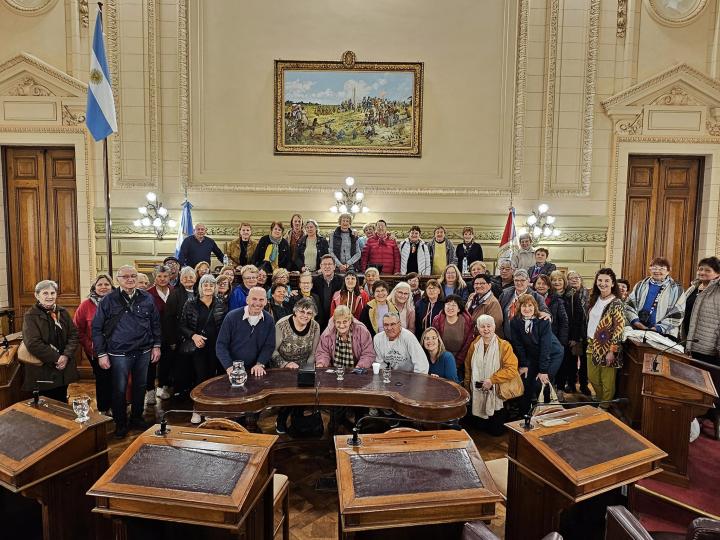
(381, 251)
(525, 256)
(508, 301)
(442, 251)
(344, 245)
(126, 337)
(325, 286)
(398, 348)
(199, 247)
(173, 265)
(247, 335)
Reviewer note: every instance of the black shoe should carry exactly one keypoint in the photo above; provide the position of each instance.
(585, 391)
(139, 423)
(280, 427)
(121, 432)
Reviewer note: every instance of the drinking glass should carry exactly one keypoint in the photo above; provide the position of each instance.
(340, 373)
(81, 406)
(386, 374)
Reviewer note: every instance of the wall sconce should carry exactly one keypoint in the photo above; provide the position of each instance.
(154, 216)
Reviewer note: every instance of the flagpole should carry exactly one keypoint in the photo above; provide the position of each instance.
(108, 229)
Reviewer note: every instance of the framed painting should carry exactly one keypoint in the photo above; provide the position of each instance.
(348, 108)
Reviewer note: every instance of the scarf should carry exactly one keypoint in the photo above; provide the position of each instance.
(528, 324)
(343, 351)
(484, 365)
(94, 298)
(478, 300)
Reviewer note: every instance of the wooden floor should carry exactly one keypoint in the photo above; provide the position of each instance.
(313, 504)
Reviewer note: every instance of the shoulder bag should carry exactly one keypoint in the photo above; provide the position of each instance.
(26, 357)
(510, 389)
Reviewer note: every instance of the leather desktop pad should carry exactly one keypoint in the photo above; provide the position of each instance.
(592, 444)
(400, 473)
(687, 373)
(185, 469)
(22, 434)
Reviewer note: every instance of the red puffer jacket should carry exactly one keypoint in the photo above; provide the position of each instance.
(381, 251)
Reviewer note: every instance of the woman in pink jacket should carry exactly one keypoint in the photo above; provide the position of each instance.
(345, 341)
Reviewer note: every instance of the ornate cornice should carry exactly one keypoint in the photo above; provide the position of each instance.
(520, 98)
(550, 85)
(621, 18)
(589, 108)
(184, 93)
(84, 12)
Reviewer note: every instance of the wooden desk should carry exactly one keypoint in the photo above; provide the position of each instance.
(10, 377)
(413, 395)
(400, 480)
(631, 379)
(672, 396)
(553, 468)
(187, 482)
(45, 455)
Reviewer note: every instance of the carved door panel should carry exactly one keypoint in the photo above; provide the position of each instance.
(661, 215)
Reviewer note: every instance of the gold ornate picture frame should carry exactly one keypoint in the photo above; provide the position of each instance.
(348, 108)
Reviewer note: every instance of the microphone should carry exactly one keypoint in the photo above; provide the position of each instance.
(36, 392)
(528, 417)
(164, 430)
(655, 361)
(355, 441)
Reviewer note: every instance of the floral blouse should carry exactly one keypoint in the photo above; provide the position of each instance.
(608, 335)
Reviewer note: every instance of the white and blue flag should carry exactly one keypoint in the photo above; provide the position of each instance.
(185, 228)
(100, 114)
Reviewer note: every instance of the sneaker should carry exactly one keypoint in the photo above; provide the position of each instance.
(150, 398)
(163, 393)
(195, 418)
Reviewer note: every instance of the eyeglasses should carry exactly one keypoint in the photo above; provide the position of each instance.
(306, 313)
(129, 276)
(655, 268)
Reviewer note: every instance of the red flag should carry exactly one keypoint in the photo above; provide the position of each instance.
(507, 242)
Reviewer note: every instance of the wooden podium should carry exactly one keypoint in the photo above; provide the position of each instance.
(406, 483)
(673, 394)
(46, 456)
(631, 379)
(576, 455)
(190, 483)
(10, 377)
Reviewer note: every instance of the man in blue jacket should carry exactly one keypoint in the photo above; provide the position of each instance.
(126, 337)
(247, 334)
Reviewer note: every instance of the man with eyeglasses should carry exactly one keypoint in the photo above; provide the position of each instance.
(398, 348)
(126, 337)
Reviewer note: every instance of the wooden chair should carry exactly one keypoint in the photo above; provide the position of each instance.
(622, 525)
(498, 469)
(477, 530)
(402, 430)
(281, 485)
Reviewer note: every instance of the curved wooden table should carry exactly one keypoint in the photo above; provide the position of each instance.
(413, 395)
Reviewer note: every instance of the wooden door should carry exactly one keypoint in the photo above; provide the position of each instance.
(41, 224)
(661, 215)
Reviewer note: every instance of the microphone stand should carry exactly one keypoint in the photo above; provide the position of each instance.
(528, 417)
(355, 441)
(164, 429)
(655, 361)
(36, 393)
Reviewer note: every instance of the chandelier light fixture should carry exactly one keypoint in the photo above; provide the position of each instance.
(154, 216)
(540, 225)
(349, 200)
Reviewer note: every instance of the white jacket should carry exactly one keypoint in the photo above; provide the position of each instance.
(423, 258)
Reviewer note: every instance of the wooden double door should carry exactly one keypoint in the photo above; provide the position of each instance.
(662, 216)
(41, 224)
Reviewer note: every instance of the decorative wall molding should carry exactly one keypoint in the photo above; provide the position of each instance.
(29, 8)
(631, 127)
(29, 87)
(35, 66)
(674, 12)
(72, 118)
(84, 12)
(517, 136)
(676, 96)
(621, 18)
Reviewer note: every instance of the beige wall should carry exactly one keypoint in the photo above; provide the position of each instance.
(519, 98)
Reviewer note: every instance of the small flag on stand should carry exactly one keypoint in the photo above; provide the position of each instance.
(509, 237)
(185, 228)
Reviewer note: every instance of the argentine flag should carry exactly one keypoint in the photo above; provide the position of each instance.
(185, 228)
(100, 114)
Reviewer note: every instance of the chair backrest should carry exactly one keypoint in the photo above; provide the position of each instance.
(477, 530)
(704, 529)
(622, 525)
(402, 430)
(222, 424)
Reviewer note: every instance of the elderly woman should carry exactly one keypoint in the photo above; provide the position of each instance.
(368, 232)
(538, 350)
(413, 279)
(455, 327)
(310, 248)
(490, 361)
(441, 361)
(575, 281)
(702, 313)
(170, 320)
(50, 335)
(293, 238)
(477, 267)
(83, 321)
(224, 288)
(371, 276)
(482, 301)
(605, 333)
(278, 305)
(656, 303)
(273, 248)
(374, 311)
(201, 269)
(505, 279)
(160, 292)
(401, 297)
(452, 282)
(568, 372)
(429, 306)
(248, 280)
(509, 300)
(556, 307)
(143, 281)
(346, 340)
(350, 295)
(282, 277)
(296, 340)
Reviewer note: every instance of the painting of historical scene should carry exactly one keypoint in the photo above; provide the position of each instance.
(368, 109)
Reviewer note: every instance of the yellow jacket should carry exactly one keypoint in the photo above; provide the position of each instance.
(508, 363)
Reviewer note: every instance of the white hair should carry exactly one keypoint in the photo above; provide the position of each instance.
(485, 319)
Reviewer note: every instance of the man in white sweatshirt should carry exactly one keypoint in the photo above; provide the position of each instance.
(398, 347)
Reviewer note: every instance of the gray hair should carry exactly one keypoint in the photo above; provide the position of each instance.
(188, 271)
(521, 274)
(505, 262)
(345, 215)
(317, 227)
(372, 270)
(341, 312)
(391, 315)
(305, 304)
(124, 267)
(524, 236)
(207, 278)
(484, 319)
(47, 284)
(161, 268)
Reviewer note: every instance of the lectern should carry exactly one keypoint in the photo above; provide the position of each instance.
(190, 483)
(406, 483)
(46, 456)
(564, 459)
(10, 376)
(673, 394)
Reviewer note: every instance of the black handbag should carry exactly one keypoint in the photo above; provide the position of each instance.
(306, 423)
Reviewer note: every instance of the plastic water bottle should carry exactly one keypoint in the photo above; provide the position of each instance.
(465, 266)
(226, 260)
(238, 375)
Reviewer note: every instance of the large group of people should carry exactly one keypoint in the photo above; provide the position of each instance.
(465, 325)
